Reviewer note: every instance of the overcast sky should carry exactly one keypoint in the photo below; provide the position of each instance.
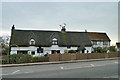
(78, 16)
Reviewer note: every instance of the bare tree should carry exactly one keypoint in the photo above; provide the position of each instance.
(4, 44)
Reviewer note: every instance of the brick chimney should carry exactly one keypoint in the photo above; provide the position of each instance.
(63, 27)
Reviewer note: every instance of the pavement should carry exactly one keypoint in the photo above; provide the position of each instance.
(107, 68)
(55, 62)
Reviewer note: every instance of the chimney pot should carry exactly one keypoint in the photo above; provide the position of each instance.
(63, 29)
(13, 27)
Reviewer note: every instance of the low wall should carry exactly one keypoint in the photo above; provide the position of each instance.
(81, 56)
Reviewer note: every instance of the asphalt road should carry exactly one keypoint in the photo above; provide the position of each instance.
(93, 69)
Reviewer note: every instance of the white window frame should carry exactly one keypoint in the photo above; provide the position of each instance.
(105, 43)
(32, 42)
(54, 41)
(94, 42)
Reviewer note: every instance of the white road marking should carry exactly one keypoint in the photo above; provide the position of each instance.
(29, 72)
(92, 65)
(116, 62)
(15, 71)
(74, 68)
(115, 76)
(105, 77)
(6, 74)
(61, 67)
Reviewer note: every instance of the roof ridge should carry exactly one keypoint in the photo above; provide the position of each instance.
(50, 31)
(98, 32)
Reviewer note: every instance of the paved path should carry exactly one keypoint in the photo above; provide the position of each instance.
(93, 69)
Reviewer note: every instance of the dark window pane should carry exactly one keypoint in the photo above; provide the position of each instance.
(22, 52)
(33, 52)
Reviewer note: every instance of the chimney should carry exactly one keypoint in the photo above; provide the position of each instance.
(85, 30)
(13, 27)
(63, 27)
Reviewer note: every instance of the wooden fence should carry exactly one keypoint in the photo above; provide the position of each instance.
(81, 56)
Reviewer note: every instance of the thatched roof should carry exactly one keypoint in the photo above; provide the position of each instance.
(44, 38)
(98, 36)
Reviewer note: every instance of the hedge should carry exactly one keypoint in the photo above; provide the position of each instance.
(23, 58)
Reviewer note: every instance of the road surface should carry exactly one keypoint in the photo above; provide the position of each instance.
(92, 69)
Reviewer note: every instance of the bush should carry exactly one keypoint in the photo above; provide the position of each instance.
(105, 49)
(71, 51)
(46, 55)
(112, 49)
(20, 58)
(102, 50)
(5, 50)
(99, 50)
(93, 52)
(4, 61)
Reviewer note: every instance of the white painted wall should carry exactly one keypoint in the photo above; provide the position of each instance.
(29, 49)
(46, 49)
(100, 44)
(89, 49)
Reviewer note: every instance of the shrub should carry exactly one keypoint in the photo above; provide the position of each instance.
(5, 50)
(65, 51)
(112, 49)
(99, 50)
(20, 58)
(93, 52)
(4, 61)
(104, 50)
(35, 59)
(71, 51)
(46, 55)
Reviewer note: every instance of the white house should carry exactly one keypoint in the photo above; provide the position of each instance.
(99, 40)
(41, 42)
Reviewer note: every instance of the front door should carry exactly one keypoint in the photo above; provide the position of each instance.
(53, 51)
(82, 51)
(58, 51)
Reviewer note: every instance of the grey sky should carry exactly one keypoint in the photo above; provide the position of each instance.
(93, 16)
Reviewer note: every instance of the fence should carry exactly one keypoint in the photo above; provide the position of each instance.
(56, 57)
(81, 56)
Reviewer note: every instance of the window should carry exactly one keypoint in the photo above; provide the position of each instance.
(94, 42)
(22, 52)
(39, 50)
(68, 47)
(54, 41)
(105, 43)
(53, 51)
(32, 42)
(33, 52)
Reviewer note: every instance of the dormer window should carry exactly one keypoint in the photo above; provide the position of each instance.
(32, 42)
(54, 41)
